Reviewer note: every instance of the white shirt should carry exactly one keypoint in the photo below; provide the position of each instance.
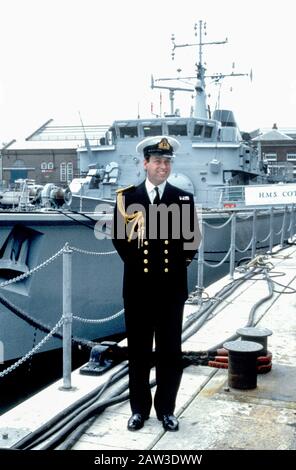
(151, 191)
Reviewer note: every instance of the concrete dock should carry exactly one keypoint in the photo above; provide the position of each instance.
(211, 414)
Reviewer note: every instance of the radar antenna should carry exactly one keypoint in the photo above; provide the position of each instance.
(201, 108)
(171, 89)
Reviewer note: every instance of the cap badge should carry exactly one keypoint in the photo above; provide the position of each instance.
(164, 144)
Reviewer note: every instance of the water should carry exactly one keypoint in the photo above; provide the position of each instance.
(37, 373)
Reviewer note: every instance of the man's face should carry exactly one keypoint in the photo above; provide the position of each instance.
(158, 169)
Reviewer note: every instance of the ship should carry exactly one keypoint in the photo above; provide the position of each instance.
(39, 224)
(37, 227)
(216, 162)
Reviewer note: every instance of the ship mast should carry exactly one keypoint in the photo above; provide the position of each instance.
(171, 89)
(200, 107)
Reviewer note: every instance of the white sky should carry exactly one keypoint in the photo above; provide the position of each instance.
(97, 56)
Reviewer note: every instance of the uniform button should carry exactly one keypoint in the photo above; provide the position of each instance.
(145, 252)
(145, 260)
(166, 252)
(146, 270)
(166, 270)
(166, 260)
(166, 242)
(146, 242)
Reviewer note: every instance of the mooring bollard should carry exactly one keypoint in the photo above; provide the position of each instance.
(258, 335)
(242, 363)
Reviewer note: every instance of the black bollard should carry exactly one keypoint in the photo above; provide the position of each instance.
(258, 335)
(242, 363)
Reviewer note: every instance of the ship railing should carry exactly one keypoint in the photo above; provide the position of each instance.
(227, 197)
(222, 197)
(253, 246)
(286, 233)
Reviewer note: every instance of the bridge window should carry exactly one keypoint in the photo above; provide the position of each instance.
(112, 131)
(126, 132)
(208, 131)
(177, 129)
(198, 130)
(152, 130)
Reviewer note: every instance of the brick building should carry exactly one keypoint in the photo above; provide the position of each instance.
(278, 149)
(49, 154)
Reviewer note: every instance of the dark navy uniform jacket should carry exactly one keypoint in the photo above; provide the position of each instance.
(159, 266)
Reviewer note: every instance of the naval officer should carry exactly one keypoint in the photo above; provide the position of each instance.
(155, 232)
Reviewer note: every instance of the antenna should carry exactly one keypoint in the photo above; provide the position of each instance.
(200, 44)
(201, 108)
(86, 141)
(171, 89)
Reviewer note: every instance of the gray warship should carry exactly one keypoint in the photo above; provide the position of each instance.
(213, 156)
(214, 163)
(36, 225)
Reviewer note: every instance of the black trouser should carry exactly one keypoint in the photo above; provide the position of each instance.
(144, 319)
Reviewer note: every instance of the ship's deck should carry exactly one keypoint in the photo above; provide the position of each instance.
(211, 415)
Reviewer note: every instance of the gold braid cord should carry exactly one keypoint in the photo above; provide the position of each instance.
(137, 219)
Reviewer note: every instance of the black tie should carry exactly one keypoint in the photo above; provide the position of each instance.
(156, 200)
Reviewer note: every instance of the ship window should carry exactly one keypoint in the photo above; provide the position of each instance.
(43, 166)
(198, 130)
(113, 135)
(152, 130)
(177, 129)
(125, 132)
(208, 131)
(50, 166)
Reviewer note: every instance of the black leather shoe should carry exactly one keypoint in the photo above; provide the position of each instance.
(136, 422)
(170, 422)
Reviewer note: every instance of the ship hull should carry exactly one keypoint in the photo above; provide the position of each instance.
(96, 279)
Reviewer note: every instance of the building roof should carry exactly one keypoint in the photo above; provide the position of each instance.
(273, 134)
(44, 145)
(50, 136)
